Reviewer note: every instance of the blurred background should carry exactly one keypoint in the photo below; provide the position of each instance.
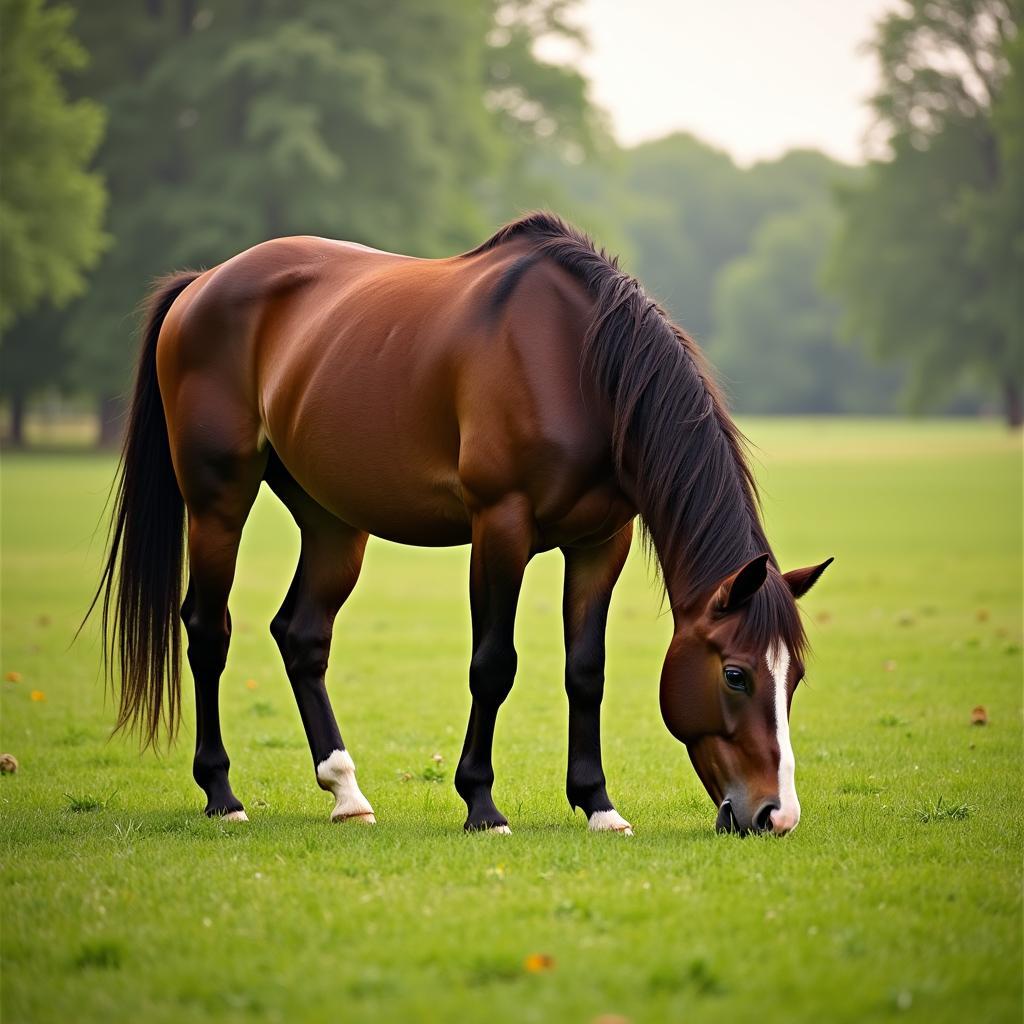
(828, 196)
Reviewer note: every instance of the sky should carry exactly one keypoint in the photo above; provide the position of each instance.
(754, 77)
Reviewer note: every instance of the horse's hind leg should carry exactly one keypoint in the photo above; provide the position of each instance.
(329, 564)
(219, 490)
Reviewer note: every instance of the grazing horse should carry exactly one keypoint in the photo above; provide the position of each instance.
(522, 396)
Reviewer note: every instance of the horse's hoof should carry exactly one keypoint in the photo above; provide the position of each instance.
(499, 828)
(235, 816)
(366, 817)
(609, 821)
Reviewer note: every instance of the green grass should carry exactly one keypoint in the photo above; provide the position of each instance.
(899, 895)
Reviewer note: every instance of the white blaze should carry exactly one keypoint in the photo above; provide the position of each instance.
(785, 819)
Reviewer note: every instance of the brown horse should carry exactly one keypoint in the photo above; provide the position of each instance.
(523, 396)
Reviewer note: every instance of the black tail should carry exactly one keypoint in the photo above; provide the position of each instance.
(141, 582)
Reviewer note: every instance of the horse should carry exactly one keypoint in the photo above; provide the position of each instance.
(521, 396)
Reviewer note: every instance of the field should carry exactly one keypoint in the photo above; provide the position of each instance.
(899, 896)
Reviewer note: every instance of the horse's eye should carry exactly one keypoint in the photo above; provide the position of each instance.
(736, 679)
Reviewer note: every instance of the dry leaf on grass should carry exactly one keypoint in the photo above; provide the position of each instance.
(537, 963)
(979, 716)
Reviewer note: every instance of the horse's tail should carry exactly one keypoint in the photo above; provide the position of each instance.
(142, 578)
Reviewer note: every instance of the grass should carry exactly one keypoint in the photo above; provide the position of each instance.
(892, 899)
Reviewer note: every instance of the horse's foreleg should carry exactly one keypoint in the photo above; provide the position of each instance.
(590, 576)
(502, 538)
(329, 565)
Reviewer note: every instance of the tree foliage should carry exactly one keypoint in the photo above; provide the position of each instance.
(776, 341)
(51, 206)
(235, 123)
(931, 253)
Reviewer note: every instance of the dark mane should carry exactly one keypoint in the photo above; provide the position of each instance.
(672, 434)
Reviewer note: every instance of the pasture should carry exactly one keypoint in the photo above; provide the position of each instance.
(898, 897)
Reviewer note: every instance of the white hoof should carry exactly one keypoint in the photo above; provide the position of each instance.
(609, 821)
(366, 817)
(499, 830)
(235, 816)
(337, 775)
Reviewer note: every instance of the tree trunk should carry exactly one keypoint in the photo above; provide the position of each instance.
(17, 438)
(1014, 403)
(111, 415)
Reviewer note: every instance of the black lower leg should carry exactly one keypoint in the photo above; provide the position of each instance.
(590, 576)
(474, 776)
(585, 782)
(328, 569)
(502, 537)
(207, 655)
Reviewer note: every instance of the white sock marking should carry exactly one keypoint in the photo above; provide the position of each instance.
(235, 816)
(609, 821)
(786, 818)
(338, 776)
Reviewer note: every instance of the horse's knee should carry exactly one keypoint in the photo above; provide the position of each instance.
(492, 672)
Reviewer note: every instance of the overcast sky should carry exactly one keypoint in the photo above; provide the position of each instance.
(755, 77)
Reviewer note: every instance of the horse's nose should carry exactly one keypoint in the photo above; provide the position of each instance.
(763, 819)
(784, 821)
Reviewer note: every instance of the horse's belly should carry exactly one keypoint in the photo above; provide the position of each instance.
(424, 513)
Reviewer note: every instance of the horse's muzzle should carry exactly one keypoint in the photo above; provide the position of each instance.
(761, 822)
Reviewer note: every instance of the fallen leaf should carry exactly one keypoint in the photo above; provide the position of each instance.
(611, 1018)
(251, 684)
(8, 764)
(979, 716)
(537, 963)
(37, 696)
(13, 677)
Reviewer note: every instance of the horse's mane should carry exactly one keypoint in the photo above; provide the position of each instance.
(672, 433)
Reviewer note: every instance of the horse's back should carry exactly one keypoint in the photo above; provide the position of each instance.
(398, 392)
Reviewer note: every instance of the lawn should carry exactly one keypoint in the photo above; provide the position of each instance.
(899, 896)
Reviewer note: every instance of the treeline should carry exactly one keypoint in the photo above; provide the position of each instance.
(140, 137)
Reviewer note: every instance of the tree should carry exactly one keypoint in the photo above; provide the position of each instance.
(931, 253)
(776, 343)
(51, 205)
(686, 215)
(235, 123)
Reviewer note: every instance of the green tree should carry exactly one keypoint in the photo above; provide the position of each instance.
(929, 258)
(776, 343)
(235, 123)
(51, 205)
(685, 212)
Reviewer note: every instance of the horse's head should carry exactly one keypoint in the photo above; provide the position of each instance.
(726, 690)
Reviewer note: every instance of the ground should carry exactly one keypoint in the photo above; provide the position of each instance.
(898, 896)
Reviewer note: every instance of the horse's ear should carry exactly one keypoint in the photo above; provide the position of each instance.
(741, 586)
(801, 580)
